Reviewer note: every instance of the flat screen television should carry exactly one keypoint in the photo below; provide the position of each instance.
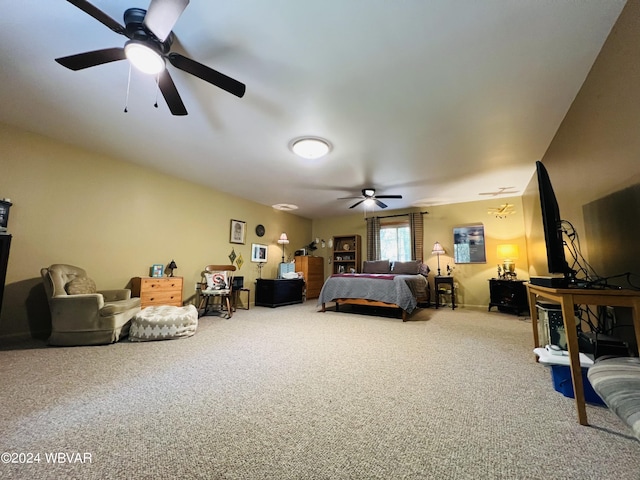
(552, 224)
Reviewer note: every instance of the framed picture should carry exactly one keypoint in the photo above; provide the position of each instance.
(157, 270)
(238, 231)
(258, 253)
(468, 244)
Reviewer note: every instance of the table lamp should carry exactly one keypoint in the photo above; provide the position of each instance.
(508, 253)
(438, 250)
(171, 267)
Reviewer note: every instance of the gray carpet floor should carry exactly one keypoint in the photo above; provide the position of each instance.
(292, 393)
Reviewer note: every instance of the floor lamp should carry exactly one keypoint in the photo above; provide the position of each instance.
(283, 240)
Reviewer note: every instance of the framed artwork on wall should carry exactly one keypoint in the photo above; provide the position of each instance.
(238, 231)
(468, 244)
(258, 253)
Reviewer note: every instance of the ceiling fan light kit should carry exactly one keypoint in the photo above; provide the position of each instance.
(144, 58)
(310, 147)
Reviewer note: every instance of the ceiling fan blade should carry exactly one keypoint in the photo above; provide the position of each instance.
(207, 74)
(350, 198)
(388, 196)
(99, 15)
(379, 203)
(162, 15)
(91, 59)
(170, 94)
(356, 204)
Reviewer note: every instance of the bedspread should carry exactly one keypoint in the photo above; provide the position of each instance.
(389, 289)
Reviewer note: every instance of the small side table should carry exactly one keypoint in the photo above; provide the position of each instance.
(236, 295)
(440, 283)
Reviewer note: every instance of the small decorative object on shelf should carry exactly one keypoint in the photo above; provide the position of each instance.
(170, 268)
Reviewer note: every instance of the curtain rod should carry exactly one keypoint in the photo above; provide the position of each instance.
(399, 215)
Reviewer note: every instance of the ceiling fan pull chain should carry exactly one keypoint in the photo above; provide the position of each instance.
(157, 88)
(126, 101)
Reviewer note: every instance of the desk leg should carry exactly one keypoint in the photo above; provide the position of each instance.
(533, 311)
(566, 303)
(636, 319)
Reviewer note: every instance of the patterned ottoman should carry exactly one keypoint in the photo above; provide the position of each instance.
(163, 322)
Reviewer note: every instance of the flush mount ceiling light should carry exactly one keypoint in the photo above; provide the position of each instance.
(284, 206)
(144, 58)
(310, 147)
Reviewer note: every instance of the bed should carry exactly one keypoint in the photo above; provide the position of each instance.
(400, 285)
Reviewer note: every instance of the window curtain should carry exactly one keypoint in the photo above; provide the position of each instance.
(373, 238)
(417, 237)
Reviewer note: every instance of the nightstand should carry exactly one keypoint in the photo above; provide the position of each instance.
(508, 295)
(445, 286)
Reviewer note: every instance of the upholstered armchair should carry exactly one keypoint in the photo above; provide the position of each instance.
(81, 315)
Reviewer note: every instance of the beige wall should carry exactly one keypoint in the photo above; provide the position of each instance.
(115, 220)
(596, 150)
(471, 279)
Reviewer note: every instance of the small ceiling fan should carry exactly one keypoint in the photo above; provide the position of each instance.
(148, 48)
(369, 196)
(502, 211)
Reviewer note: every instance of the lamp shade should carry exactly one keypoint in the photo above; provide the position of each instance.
(283, 239)
(437, 249)
(172, 265)
(507, 252)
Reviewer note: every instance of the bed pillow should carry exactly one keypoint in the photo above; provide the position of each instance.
(424, 269)
(407, 268)
(376, 266)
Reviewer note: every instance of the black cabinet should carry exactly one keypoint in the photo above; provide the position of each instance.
(508, 295)
(278, 292)
(5, 243)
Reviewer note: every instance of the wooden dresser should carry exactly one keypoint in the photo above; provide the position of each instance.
(157, 291)
(313, 270)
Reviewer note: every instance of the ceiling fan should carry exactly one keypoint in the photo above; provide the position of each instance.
(148, 48)
(369, 197)
(500, 191)
(502, 211)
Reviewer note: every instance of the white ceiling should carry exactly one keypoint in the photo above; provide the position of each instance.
(437, 100)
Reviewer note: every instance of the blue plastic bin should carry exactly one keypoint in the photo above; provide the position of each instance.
(561, 377)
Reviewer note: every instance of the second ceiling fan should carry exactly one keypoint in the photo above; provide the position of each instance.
(369, 196)
(149, 46)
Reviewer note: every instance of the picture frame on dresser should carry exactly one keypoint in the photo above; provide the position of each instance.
(157, 270)
(238, 232)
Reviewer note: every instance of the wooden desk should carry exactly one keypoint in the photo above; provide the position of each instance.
(567, 298)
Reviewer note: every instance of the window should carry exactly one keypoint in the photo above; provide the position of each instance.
(395, 241)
